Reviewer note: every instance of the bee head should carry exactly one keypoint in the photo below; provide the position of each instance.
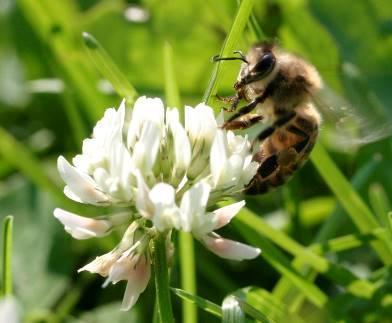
(260, 63)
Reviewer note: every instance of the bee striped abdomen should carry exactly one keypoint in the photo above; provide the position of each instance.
(284, 151)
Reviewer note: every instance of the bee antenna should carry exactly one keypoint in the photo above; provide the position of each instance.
(217, 58)
(241, 54)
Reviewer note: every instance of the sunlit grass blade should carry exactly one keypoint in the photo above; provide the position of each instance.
(232, 311)
(109, 69)
(348, 198)
(239, 23)
(280, 262)
(185, 239)
(7, 255)
(251, 220)
(335, 272)
(201, 302)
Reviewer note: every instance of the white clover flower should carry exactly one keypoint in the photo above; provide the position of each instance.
(162, 175)
(201, 128)
(231, 164)
(81, 228)
(201, 224)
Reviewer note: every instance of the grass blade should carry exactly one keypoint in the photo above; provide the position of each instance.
(349, 199)
(337, 219)
(335, 272)
(201, 302)
(280, 262)
(248, 218)
(284, 289)
(348, 242)
(239, 23)
(7, 255)
(109, 69)
(381, 206)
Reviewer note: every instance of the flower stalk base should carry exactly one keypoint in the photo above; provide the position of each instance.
(162, 288)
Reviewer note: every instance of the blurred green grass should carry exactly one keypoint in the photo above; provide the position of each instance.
(41, 41)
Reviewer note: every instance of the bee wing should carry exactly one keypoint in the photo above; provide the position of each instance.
(347, 127)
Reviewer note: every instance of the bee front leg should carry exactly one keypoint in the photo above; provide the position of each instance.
(244, 110)
(234, 100)
(251, 105)
(227, 99)
(243, 123)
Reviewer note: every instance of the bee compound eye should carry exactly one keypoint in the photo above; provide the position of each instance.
(265, 65)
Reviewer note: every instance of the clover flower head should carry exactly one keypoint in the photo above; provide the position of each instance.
(161, 174)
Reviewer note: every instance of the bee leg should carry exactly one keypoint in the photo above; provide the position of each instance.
(234, 100)
(244, 110)
(278, 123)
(227, 99)
(243, 123)
(250, 106)
(234, 104)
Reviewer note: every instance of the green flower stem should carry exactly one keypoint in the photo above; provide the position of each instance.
(185, 244)
(188, 275)
(162, 280)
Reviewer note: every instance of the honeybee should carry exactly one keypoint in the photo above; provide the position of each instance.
(285, 92)
(279, 88)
